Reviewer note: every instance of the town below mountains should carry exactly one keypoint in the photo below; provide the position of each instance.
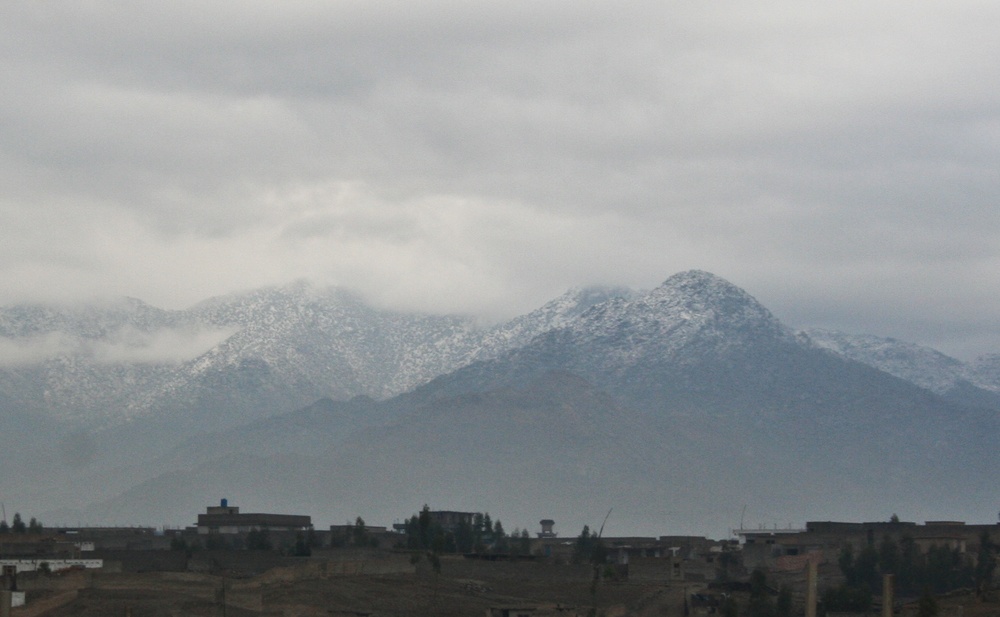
(453, 563)
(686, 409)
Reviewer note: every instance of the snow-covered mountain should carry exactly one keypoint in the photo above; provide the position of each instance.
(975, 383)
(984, 371)
(691, 395)
(89, 362)
(923, 366)
(240, 356)
(644, 341)
(255, 354)
(557, 313)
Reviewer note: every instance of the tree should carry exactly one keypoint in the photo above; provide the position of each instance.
(259, 539)
(947, 570)
(758, 583)
(866, 568)
(214, 541)
(927, 607)
(728, 562)
(302, 548)
(4, 527)
(986, 563)
(581, 549)
(783, 607)
(589, 548)
(18, 526)
(313, 540)
(500, 543)
(760, 598)
(177, 543)
(911, 565)
(729, 608)
(888, 556)
(477, 522)
(34, 526)
(464, 537)
(360, 532)
(846, 563)
(847, 599)
(525, 542)
(425, 525)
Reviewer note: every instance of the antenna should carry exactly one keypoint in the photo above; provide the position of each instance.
(601, 532)
(4, 511)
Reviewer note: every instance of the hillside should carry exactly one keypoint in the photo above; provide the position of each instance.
(682, 404)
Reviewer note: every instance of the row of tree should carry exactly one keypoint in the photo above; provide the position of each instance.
(18, 526)
(589, 548)
(481, 535)
(938, 570)
(355, 534)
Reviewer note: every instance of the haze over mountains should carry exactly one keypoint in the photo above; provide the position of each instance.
(676, 406)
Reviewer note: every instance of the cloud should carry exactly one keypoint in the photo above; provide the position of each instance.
(838, 161)
(125, 346)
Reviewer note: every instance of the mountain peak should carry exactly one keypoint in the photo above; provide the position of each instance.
(702, 277)
(701, 283)
(708, 298)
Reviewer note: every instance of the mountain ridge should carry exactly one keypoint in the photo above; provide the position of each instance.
(692, 390)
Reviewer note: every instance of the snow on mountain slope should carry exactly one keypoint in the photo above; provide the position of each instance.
(984, 371)
(975, 384)
(265, 351)
(87, 362)
(88, 321)
(557, 313)
(326, 342)
(691, 392)
(694, 329)
(256, 353)
(917, 364)
(689, 307)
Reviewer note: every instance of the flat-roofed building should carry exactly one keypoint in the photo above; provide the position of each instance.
(226, 519)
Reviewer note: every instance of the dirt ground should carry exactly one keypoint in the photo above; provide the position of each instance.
(317, 588)
(462, 588)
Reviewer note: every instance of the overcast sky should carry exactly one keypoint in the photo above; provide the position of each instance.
(839, 161)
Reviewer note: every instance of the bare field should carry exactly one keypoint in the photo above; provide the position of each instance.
(463, 587)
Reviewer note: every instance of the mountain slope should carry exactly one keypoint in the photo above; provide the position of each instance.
(116, 387)
(961, 383)
(239, 357)
(691, 399)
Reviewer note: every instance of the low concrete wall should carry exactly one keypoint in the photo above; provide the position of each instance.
(384, 565)
(31, 565)
(144, 561)
(238, 562)
(659, 569)
(63, 581)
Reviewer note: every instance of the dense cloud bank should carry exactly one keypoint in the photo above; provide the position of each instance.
(448, 156)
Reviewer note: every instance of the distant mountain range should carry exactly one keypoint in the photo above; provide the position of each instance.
(241, 356)
(675, 406)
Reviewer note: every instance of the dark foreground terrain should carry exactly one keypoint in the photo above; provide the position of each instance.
(316, 587)
(392, 586)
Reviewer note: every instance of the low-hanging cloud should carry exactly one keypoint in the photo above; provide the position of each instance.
(125, 346)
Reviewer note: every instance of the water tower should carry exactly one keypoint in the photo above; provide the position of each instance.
(546, 531)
